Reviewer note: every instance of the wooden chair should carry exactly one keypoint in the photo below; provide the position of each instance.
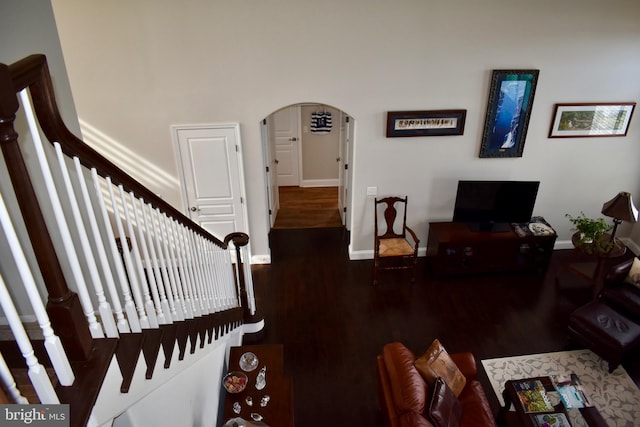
(394, 250)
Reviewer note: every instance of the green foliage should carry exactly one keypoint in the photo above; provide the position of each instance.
(591, 232)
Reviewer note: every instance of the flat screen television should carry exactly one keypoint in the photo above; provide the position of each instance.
(492, 205)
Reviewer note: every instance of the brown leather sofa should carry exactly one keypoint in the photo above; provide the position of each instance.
(404, 395)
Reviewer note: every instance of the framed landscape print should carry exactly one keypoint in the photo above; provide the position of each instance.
(510, 100)
(425, 123)
(591, 119)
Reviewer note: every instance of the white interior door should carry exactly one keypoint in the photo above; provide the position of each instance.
(212, 176)
(285, 124)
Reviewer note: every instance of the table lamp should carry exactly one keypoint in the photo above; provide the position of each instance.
(620, 208)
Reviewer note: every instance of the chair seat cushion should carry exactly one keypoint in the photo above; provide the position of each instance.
(395, 247)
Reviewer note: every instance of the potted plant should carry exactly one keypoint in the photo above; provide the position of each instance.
(592, 233)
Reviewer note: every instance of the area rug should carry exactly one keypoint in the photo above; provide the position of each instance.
(615, 395)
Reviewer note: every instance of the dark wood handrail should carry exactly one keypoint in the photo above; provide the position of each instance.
(63, 305)
(33, 72)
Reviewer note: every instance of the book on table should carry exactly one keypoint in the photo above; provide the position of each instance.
(532, 396)
(571, 391)
(557, 419)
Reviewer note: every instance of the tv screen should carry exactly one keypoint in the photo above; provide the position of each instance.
(489, 205)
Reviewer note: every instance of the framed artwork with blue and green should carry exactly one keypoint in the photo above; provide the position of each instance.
(508, 110)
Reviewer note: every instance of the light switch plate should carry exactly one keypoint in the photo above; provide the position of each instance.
(372, 191)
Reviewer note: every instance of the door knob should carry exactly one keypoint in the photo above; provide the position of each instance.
(195, 209)
(293, 138)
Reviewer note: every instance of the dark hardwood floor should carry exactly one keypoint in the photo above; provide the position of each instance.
(333, 321)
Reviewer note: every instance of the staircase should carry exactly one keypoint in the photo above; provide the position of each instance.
(112, 297)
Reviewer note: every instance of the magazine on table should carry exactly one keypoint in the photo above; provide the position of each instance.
(556, 419)
(571, 391)
(533, 396)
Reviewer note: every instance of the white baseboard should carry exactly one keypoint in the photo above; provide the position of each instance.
(560, 244)
(252, 328)
(368, 254)
(261, 259)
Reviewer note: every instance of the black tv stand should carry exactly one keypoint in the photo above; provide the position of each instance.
(489, 227)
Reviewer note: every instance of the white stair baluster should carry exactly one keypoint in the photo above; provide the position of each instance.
(164, 316)
(10, 384)
(173, 267)
(167, 294)
(121, 321)
(61, 222)
(190, 306)
(126, 254)
(197, 262)
(193, 286)
(54, 348)
(139, 269)
(37, 373)
(152, 300)
(248, 279)
(106, 315)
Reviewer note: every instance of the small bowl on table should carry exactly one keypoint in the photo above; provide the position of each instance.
(235, 382)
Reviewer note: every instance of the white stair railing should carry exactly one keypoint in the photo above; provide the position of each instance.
(53, 345)
(9, 383)
(60, 220)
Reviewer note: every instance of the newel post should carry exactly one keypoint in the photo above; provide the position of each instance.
(239, 240)
(63, 306)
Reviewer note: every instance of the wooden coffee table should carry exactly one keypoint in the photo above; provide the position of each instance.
(279, 388)
(521, 418)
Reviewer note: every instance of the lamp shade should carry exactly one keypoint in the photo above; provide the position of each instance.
(621, 207)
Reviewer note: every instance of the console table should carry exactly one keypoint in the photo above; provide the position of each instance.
(453, 248)
(279, 409)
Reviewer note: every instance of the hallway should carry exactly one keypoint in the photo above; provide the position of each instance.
(308, 207)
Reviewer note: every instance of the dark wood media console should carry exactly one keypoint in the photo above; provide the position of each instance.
(452, 248)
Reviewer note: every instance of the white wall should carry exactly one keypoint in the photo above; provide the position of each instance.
(319, 150)
(137, 67)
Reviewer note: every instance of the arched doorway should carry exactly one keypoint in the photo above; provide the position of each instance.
(307, 149)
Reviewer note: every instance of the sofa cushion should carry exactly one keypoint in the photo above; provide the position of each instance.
(435, 362)
(444, 407)
(476, 410)
(407, 386)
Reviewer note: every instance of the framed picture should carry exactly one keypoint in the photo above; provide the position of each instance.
(508, 110)
(425, 123)
(591, 119)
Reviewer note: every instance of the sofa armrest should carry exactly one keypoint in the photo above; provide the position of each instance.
(385, 397)
(466, 363)
(618, 273)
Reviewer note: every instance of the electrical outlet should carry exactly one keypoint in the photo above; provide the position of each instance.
(372, 191)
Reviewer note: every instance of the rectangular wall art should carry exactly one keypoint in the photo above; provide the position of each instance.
(591, 119)
(425, 123)
(508, 110)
